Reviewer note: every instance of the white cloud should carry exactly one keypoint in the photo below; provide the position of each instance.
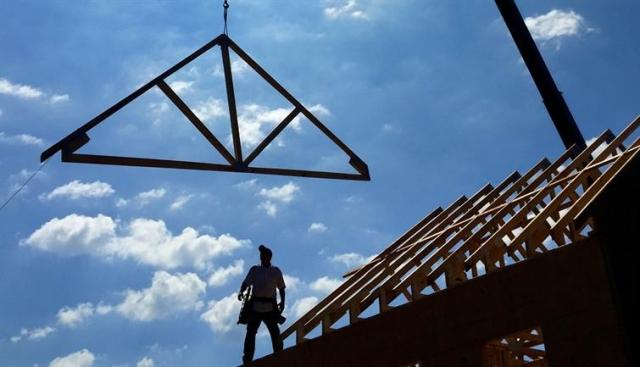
(285, 193)
(222, 315)
(168, 294)
(292, 283)
(180, 202)
(74, 234)
(146, 362)
(325, 285)
(16, 180)
(269, 207)
(28, 92)
(82, 358)
(34, 334)
(22, 139)
(222, 276)
(319, 109)
(254, 120)
(159, 108)
(303, 305)
(279, 194)
(212, 109)
(144, 240)
(345, 9)
(351, 259)
(180, 86)
(238, 67)
(317, 228)
(103, 309)
(19, 90)
(247, 185)
(73, 317)
(75, 190)
(121, 202)
(58, 98)
(555, 24)
(146, 197)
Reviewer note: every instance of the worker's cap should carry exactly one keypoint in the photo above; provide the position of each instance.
(264, 250)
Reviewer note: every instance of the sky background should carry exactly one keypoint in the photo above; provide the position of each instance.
(119, 266)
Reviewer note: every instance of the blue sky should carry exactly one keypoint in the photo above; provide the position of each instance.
(116, 266)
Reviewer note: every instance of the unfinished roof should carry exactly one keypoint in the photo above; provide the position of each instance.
(525, 215)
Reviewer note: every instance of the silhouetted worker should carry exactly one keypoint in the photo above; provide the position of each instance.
(264, 279)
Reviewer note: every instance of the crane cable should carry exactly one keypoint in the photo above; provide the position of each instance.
(225, 5)
(24, 184)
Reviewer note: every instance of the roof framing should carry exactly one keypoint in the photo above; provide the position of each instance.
(523, 216)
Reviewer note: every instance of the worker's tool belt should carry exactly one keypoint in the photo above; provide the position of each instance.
(264, 304)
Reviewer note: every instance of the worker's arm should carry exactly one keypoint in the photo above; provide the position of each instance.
(282, 298)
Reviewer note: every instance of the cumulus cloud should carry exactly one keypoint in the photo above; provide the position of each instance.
(19, 90)
(238, 67)
(303, 305)
(146, 362)
(144, 240)
(555, 24)
(255, 121)
(292, 283)
(168, 294)
(247, 185)
(222, 276)
(285, 193)
(180, 202)
(82, 358)
(211, 109)
(277, 195)
(34, 334)
(59, 98)
(75, 190)
(325, 284)
(147, 197)
(28, 92)
(269, 208)
(221, 316)
(345, 9)
(317, 228)
(159, 108)
(351, 259)
(180, 86)
(143, 198)
(73, 317)
(21, 139)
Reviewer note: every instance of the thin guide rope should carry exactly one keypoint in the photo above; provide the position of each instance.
(24, 184)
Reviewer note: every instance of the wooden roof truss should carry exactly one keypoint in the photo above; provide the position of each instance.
(525, 215)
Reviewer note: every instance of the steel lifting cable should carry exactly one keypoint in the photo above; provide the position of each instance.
(225, 5)
(24, 184)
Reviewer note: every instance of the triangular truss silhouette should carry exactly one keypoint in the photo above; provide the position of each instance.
(237, 163)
